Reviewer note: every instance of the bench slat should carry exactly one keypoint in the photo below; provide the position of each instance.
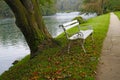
(86, 33)
(69, 23)
(70, 26)
(81, 35)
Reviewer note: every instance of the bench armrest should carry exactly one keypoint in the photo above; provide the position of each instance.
(80, 34)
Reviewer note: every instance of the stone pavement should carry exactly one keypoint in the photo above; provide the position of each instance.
(109, 65)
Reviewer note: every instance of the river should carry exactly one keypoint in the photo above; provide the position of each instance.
(12, 43)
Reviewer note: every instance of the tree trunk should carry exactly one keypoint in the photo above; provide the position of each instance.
(30, 22)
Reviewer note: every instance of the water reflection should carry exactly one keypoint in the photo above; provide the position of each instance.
(12, 44)
(10, 35)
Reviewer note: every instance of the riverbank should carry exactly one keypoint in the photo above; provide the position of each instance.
(56, 63)
(12, 40)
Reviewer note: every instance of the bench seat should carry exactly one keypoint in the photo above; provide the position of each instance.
(81, 35)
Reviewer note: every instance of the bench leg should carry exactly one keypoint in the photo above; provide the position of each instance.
(92, 38)
(69, 46)
(82, 45)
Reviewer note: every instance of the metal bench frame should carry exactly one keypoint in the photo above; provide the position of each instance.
(81, 34)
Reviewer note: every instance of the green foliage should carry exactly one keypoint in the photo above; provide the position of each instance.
(48, 7)
(101, 6)
(80, 19)
(118, 14)
(98, 6)
(114, 5)
(56, 64)
(42, 2)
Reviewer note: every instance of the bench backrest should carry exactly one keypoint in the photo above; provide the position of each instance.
(69, 25)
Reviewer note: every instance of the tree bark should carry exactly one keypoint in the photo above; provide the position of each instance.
(30, 22)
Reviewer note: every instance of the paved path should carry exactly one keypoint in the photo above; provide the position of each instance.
(109, 66)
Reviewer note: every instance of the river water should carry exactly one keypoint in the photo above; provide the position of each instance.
(12, 43)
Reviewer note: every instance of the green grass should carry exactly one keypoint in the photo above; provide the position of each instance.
(56, 64)
(118, 14)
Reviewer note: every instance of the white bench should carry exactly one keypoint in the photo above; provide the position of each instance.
(81, 34)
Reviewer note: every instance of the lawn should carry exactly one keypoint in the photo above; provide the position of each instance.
(56, 64)
(118, 14)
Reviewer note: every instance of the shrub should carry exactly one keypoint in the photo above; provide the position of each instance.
(80, 19)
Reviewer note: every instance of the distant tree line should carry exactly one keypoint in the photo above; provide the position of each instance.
(68, 5)
(48, 8)
(100, 6)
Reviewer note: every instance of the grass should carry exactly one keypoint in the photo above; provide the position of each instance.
(118, 14)
(56, 64)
